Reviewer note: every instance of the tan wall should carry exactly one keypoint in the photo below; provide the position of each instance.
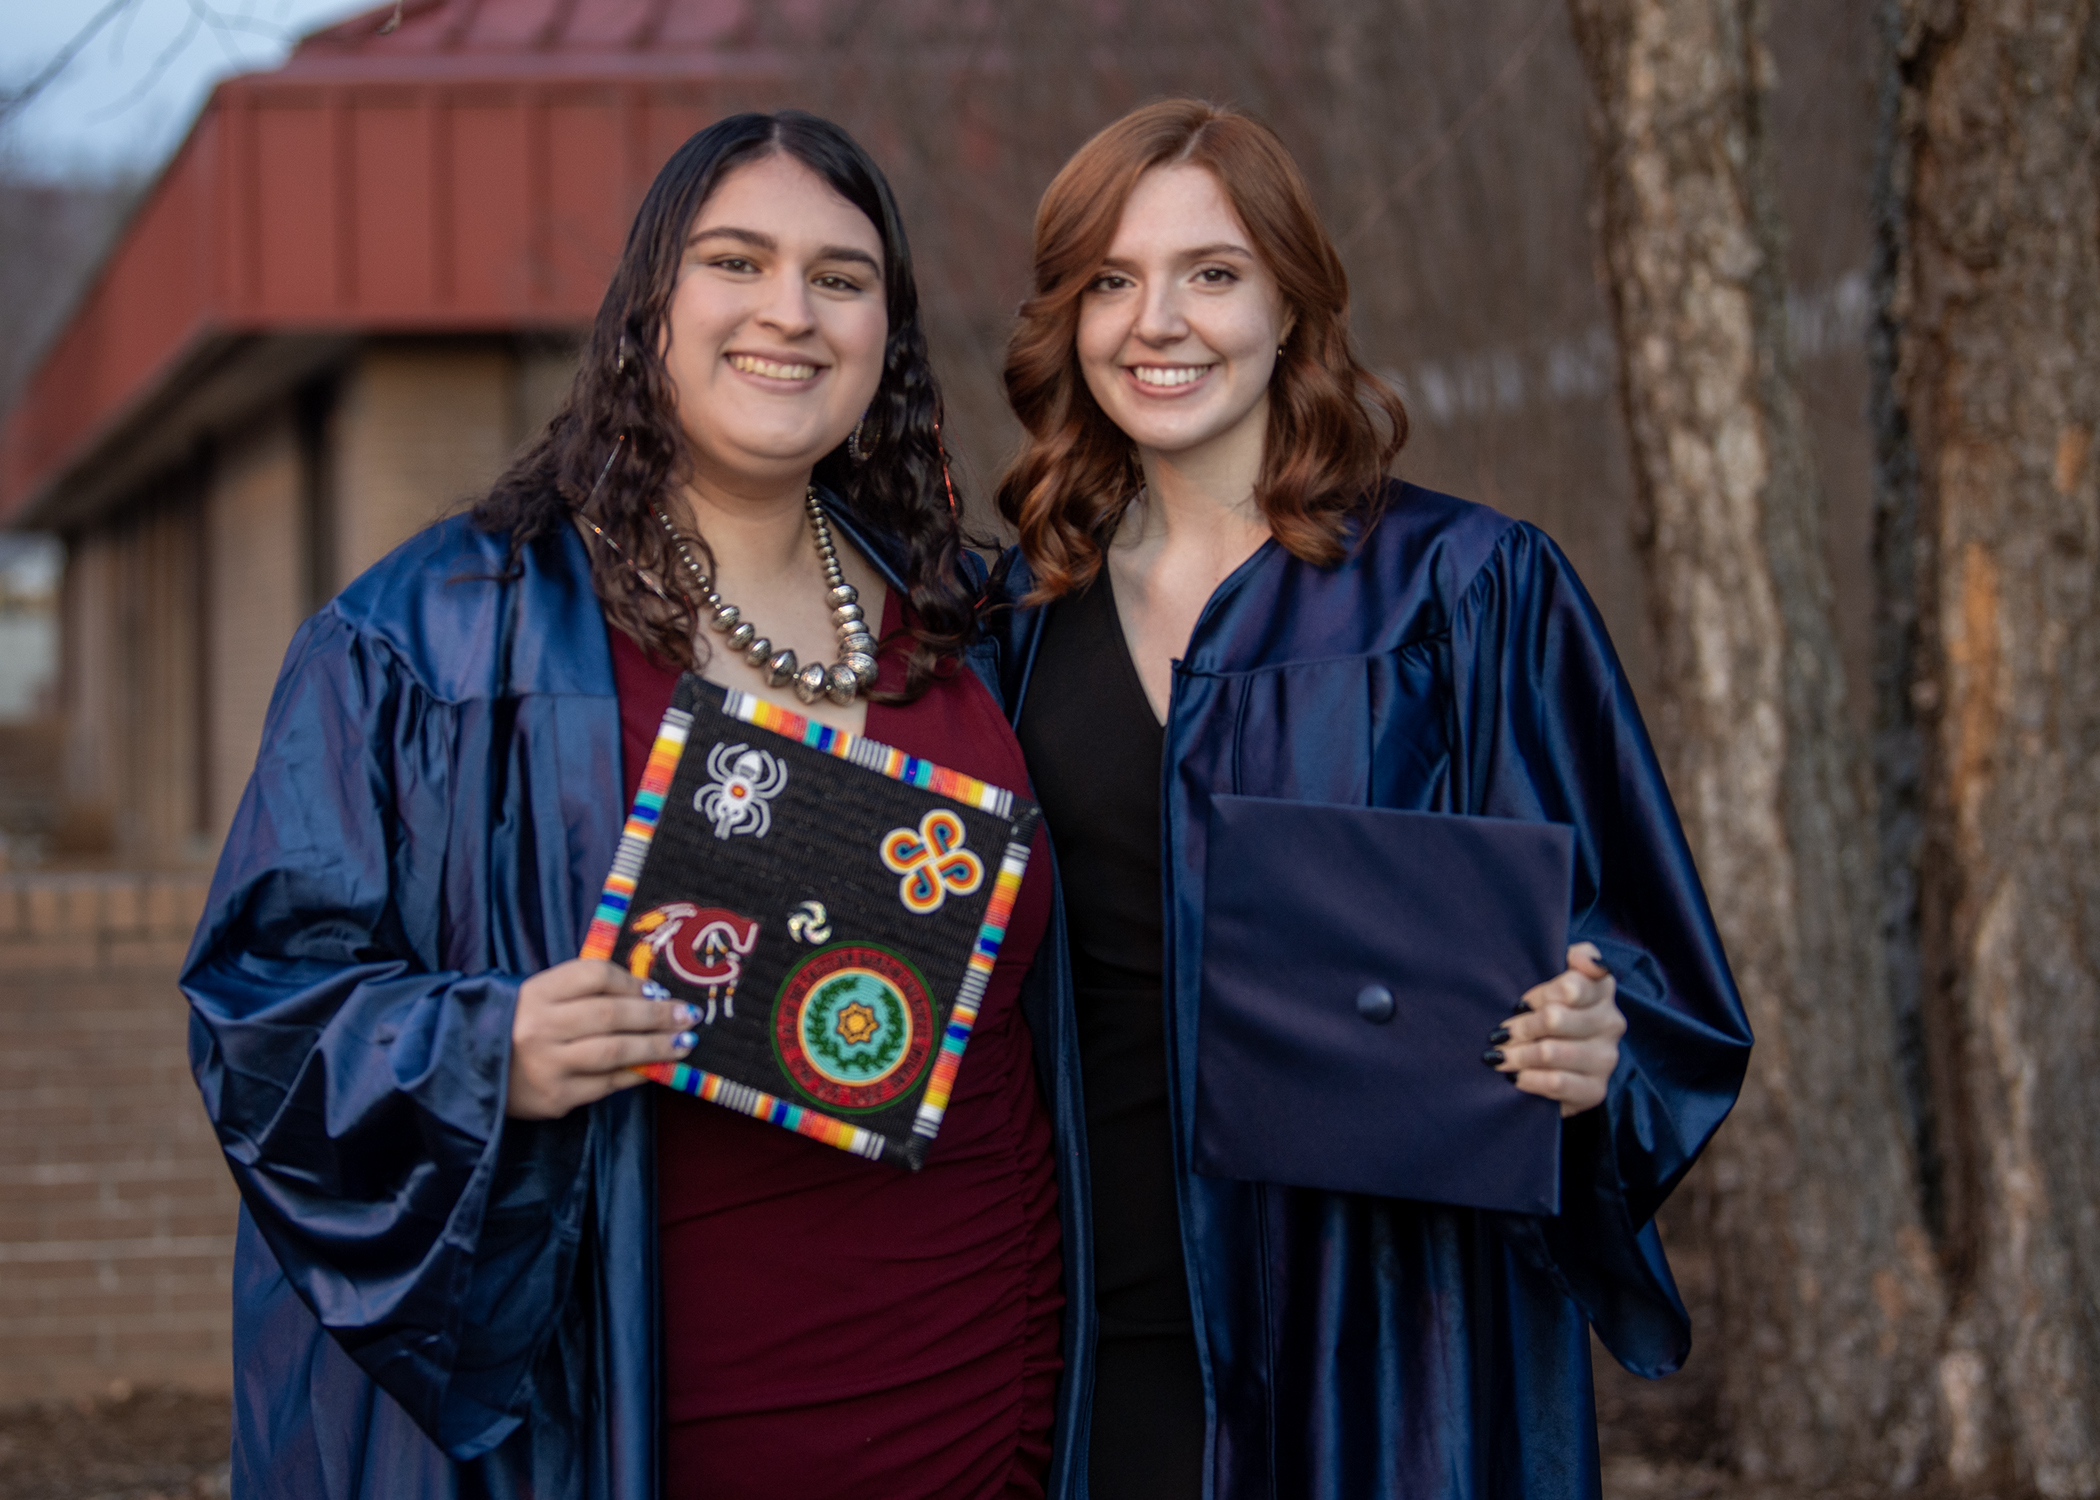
(545, 369)
(90, 630)
(162, 818)
(421, 427)
(178, 608)
(134, 690)
(255, 567)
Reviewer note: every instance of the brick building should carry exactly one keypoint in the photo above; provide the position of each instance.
(354, 290)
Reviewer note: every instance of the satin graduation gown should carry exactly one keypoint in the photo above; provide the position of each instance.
(1351, 1346)
(430, 1300)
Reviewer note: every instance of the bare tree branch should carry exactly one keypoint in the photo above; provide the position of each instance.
(222, 24)
(72, 49)
(1441, 147)
(121, 37)
(202, 13)
(161, 64)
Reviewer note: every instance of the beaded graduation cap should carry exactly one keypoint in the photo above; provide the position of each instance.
(831, 906)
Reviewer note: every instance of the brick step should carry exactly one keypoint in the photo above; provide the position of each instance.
(87, 922)
(117, 1212)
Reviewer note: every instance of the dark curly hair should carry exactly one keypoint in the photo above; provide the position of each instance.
(615, 446)
(1334, 427)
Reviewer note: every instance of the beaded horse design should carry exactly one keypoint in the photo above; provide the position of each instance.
(704, 945)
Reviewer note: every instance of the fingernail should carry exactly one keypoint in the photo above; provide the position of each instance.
(651, 990)
(1499, 1035)
(687, 1041)
(688, 1015)
(1492, 1057)
(1520, 1007)
(1512, 1077)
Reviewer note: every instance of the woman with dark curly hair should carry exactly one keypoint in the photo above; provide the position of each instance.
(1228, 612)
(473, 1258)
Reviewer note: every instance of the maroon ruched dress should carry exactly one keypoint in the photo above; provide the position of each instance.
(834, 1326)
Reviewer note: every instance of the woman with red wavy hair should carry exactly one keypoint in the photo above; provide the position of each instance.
(1219, 591)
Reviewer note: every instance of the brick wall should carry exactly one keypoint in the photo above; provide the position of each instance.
(255, 568)
(116, 1211)
(422, 426)
(132, 680)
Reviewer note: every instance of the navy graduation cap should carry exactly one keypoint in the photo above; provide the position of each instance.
(1339, 1039)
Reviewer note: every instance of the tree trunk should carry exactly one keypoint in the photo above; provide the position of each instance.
(1828, 1295)
(1989, 541)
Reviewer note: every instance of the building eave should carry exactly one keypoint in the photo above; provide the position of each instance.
(209, 388)
(343, 197)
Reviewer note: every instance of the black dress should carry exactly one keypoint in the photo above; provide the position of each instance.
(1093, 751)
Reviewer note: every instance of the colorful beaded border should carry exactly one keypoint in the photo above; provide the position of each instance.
(748, 708)
(971, 995)
(604, 931)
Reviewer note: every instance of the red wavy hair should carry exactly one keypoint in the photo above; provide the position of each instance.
(1334, 427)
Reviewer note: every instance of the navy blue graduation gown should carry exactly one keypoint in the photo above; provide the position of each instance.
(430, 1300)
(1356, 1347)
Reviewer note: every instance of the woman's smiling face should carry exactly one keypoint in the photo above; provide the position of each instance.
(1179, 329)
(775, 333)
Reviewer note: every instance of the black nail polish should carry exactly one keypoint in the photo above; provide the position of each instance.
(1492, 1057)
(1512, 1077)
(1520, 1007)
(1499, 1035)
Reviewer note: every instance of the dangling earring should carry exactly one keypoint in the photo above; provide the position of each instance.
(856, 449)
(620, 357)
(946, 482)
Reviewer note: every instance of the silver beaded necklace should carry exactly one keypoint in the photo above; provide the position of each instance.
(845, 679)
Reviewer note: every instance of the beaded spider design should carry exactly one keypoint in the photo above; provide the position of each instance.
(739, 795)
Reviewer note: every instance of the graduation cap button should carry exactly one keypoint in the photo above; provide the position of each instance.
(1374, 1002)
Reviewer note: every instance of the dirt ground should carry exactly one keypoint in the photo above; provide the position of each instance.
(127, 1445)
(171, 1445)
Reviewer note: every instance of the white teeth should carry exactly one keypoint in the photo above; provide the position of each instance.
(1169, 375)
(751, 364)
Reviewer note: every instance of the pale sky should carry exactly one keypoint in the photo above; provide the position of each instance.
(128, 98)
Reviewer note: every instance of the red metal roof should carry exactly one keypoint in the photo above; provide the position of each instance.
(473, 171)
(536, 38)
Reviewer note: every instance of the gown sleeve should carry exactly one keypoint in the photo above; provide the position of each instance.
(356, 1085)
(1547, 728)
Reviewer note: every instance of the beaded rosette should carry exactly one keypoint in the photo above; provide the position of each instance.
(832, 907)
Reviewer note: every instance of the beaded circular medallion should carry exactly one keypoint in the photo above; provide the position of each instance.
(854, 1026)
